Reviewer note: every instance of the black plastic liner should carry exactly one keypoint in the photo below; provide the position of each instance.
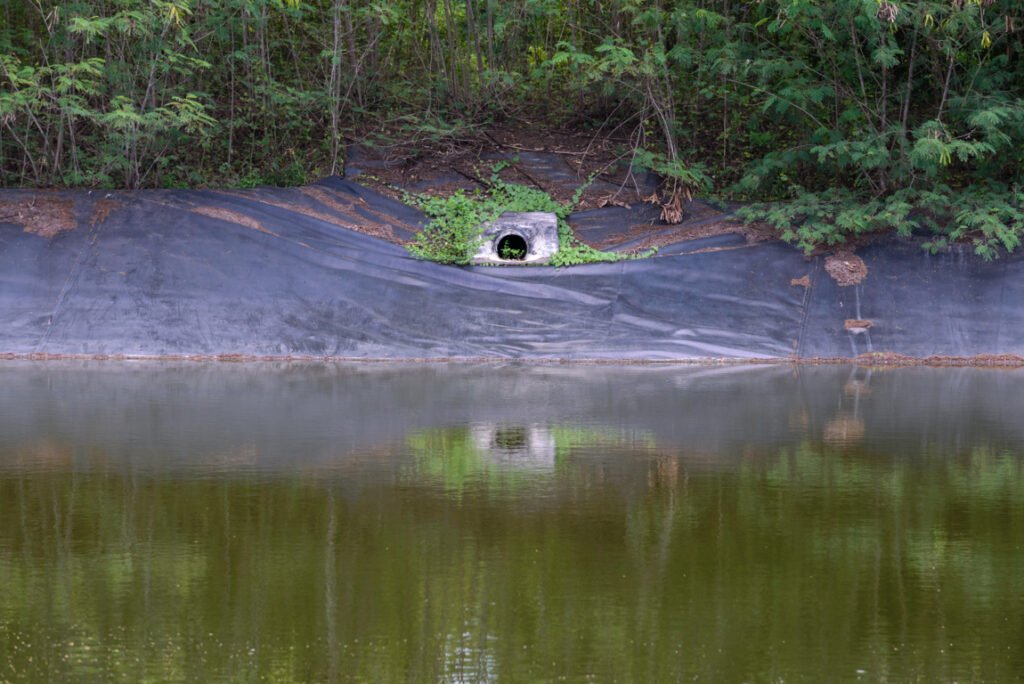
(275, 272)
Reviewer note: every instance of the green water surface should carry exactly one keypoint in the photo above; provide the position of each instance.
(505, 523)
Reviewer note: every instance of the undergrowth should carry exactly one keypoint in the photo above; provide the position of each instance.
(990, 217)
(457, 221)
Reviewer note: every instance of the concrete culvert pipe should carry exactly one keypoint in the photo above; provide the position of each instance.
(519, 239)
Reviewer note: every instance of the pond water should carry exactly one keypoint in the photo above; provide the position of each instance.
(501, 522)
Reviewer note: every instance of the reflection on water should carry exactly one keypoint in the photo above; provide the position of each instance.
(465, 523)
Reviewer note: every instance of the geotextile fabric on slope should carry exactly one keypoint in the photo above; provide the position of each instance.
(274, 272)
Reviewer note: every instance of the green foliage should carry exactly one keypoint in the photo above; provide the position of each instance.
(692, 177)
(990, 217)
(510, 252)
(864, 115)
(572, 252)
(910, 117)
(456, 221)
(453, 234)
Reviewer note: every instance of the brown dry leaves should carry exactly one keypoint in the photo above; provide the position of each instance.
(101, 210)
(804, 281)
(846, 268)
(672, 211)
(233, 217)
(610, 200)
(43, 216)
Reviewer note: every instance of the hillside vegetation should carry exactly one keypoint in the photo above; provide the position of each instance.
(835, 119)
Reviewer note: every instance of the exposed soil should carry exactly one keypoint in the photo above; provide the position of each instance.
(362, 225)
(804, 281)
(846, 268)
(352, 221)
(980, 360)
(43, 215)
(378, 228)
(857, 324)
(325, 198)
(101, 210)
(233, 217)
(465, 162)
(441, 189)
(634, 233)
(659, 235)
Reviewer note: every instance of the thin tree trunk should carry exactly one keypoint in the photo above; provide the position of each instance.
(356, 87)
(906, 106)
(335, 85)
(452, 47)
(475, 33)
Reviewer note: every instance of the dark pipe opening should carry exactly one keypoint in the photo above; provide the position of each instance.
(512, 438)
(513, 247)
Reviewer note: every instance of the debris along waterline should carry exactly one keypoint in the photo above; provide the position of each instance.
(871, 359)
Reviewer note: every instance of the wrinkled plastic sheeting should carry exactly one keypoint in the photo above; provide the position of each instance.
(949, 304)
(288, 278)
